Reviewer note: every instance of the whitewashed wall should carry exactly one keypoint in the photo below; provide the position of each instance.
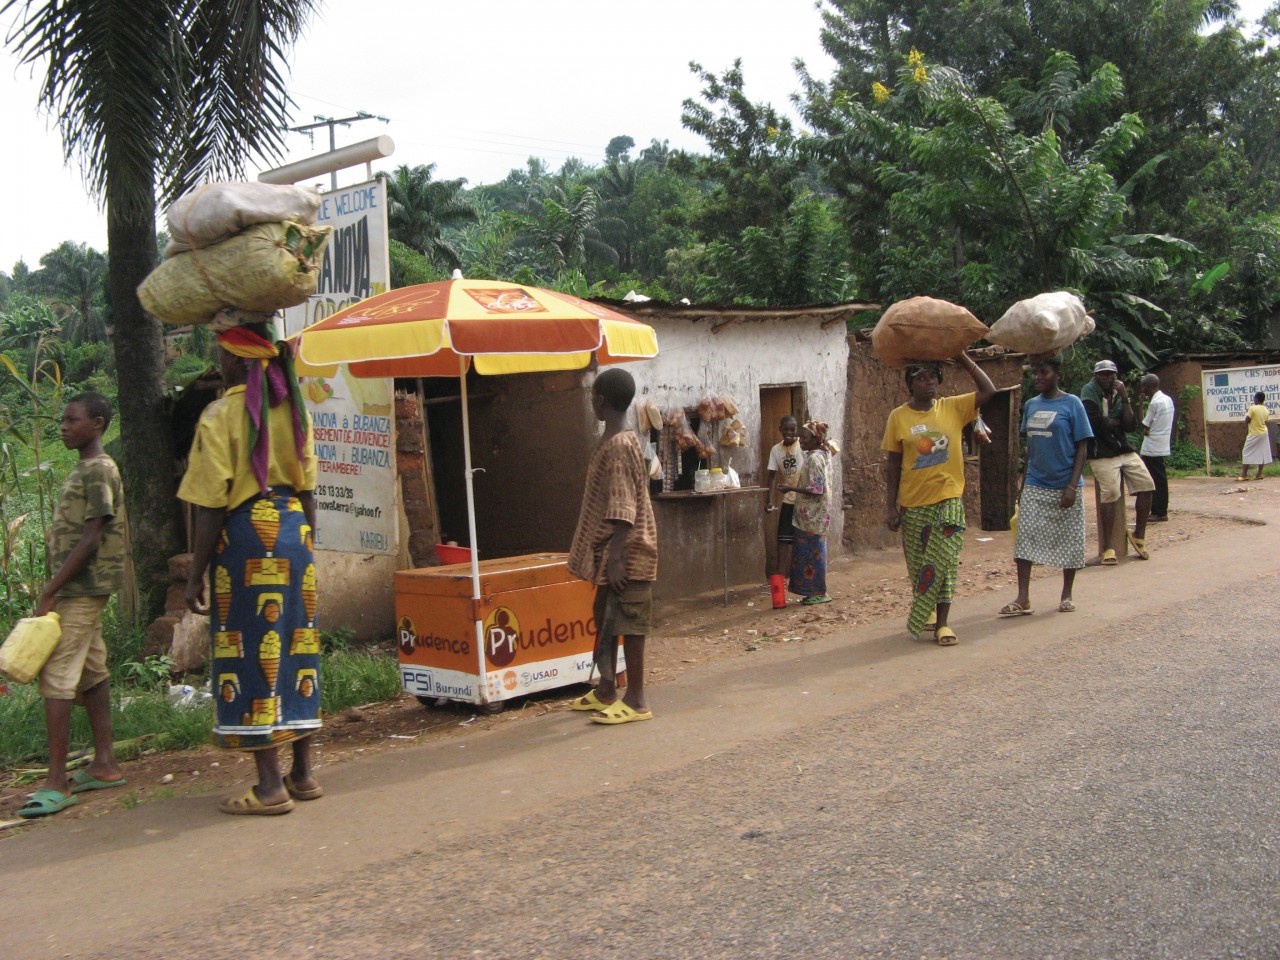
(739, 360)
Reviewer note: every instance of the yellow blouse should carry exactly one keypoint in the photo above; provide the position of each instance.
(218, 471)
(1258, 415)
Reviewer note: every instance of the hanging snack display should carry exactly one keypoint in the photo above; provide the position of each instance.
(734, 434)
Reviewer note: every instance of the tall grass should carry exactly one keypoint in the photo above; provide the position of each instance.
(355, 677)
(135, 714)
(347, 678)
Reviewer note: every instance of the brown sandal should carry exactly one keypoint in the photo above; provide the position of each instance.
(315, 793)
(248, 805)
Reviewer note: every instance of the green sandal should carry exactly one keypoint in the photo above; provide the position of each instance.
(45, 803)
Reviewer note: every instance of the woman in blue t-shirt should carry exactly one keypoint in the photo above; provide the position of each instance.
(1050, 511)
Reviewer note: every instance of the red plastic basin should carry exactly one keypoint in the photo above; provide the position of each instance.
(448, 554)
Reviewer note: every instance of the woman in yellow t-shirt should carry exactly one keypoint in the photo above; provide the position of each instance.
(251, 476)
(1257, 442)
(924, 476)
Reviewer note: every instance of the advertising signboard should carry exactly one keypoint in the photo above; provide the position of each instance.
(1229, 393)
(354, 419)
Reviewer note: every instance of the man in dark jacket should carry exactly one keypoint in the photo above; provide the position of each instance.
(1112, 458)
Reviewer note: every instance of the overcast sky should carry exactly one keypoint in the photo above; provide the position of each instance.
(474, 88)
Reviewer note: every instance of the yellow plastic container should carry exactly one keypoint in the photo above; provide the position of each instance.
(29, 647)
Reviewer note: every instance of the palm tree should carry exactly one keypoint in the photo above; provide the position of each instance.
(657, 154)
(420, 208)
(566, 223)
(617, 182)
(154, 96)
(71, 276)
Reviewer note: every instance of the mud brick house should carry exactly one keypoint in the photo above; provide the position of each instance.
(991, 470)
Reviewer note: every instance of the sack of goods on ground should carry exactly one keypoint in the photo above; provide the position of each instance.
(923, 328)
(1043, 325)
(255, 264)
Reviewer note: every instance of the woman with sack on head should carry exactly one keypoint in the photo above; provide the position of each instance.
(924, 478)
(1050, 508)
(812, 517)
(251, 476)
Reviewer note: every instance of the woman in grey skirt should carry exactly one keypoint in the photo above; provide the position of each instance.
(1050, 510)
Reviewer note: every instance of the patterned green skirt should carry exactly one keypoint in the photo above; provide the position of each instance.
(932, 538)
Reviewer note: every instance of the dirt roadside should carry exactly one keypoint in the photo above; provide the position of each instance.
(867, 588)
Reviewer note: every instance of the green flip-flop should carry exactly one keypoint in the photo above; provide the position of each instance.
(45, 803)
(83, 780)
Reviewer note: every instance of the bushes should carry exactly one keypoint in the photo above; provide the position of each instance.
(142, 712)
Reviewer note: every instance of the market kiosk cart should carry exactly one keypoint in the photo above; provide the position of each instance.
(536, 629)
(484, 631)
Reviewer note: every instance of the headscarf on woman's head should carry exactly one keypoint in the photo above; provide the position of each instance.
(268, 364)
(819, 429)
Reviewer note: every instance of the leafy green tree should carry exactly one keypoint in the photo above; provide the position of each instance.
(618, 148)
(753, 164)
(487, 245)
(409, 267)
(660, 213)
(421, 209)
(73, 275)
(803, 261)
(19, 281)
(154, 97)
(1207, 93)
(978, 211)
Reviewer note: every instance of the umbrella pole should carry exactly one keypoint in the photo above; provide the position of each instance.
(469, 474)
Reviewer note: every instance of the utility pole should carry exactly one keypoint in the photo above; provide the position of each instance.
(331, 123)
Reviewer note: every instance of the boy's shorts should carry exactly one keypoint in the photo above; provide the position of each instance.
(1108, 470)
(630, 613)
(786, 523)
(79, 661)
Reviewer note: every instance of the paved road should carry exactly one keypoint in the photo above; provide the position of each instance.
(1099, 784)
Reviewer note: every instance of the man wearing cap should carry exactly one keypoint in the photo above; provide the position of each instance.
(1112, 458)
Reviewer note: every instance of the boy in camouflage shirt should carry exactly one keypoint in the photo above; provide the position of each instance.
(87, 556)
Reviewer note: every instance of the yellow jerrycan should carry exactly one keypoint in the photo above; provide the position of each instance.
(29, 647)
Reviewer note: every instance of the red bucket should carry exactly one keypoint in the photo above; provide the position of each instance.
(450, 554)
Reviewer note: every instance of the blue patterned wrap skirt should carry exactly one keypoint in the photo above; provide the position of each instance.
(266, 646)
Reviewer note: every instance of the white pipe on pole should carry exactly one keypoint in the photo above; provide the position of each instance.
(469, 474)
(365, 151)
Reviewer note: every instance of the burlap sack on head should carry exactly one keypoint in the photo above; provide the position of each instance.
(217, 211)
(1045, 324)
(923, 328)
(265, 268)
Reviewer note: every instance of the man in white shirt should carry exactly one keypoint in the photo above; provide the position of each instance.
(1157, 429)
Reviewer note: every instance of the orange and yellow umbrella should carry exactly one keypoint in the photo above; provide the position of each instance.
(423, 331)
(440, 329)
